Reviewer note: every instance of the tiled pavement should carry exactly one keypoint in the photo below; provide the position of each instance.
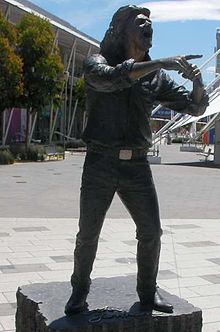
(40, 250)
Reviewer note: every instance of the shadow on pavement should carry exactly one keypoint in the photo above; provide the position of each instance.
(207, 164)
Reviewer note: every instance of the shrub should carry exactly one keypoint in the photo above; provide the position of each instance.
(59, 148)
(34, 152)
(6, 157)
(76, 143)
(180, 139)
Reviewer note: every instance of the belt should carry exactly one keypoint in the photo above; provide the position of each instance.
(119, 153)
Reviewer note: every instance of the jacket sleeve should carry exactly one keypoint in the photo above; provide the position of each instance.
(178, 98)
(100, 76)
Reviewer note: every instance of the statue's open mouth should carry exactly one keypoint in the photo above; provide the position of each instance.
(148, 34)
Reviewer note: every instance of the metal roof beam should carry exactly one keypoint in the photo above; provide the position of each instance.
(7, 12)
(70, 30)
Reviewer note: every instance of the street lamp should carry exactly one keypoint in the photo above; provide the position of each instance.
(66, 78)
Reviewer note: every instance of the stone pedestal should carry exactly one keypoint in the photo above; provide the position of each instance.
(113, 307)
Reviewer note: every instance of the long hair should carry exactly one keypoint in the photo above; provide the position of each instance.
(112, 46)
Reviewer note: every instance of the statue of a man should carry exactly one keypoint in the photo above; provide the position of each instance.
(122, 85)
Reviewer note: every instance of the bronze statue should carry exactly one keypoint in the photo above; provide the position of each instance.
(122, 84)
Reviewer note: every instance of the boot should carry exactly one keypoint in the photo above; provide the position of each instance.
(156, 302)
(77, 301)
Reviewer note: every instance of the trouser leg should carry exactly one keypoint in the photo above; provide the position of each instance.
(97, 191)
(137, 192)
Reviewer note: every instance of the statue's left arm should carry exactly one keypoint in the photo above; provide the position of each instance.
(178, 98)
(193, 74)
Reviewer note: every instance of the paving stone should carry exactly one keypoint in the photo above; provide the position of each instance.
(31, 260)
(167, 274)
(205, 290)
(130, 242)
(183, 226)
(10, 297)
(7, 309)
(4, 249)
(2, 298)
(30, 229)
(126, 260)
(211, 327)
(213, 278)
(215, 260)
(19, 277)
(211, 315)
(166, 232)
(71, 240)
(102, 240)
(60, 259)
(7, 267)
(20, 268)
(206, 302)
(8, 322)
(198, 244)
(195, 267)
(4, 234)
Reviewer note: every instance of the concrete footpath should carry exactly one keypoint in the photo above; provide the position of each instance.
(38, 224)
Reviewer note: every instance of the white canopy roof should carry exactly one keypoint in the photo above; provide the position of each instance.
(29, 7)
(213, 108)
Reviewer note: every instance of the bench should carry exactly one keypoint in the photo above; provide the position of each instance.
(206, 154)
(52, 153)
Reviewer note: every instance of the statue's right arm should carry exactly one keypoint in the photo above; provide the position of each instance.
(100, 76)
(177, 63)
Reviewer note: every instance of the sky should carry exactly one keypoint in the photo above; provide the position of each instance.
(180, 27)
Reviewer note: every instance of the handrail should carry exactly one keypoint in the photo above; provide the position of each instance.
(208, 125)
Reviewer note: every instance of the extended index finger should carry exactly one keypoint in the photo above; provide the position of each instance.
(193, 56)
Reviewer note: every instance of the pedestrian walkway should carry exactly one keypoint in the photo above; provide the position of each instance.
(36, 250)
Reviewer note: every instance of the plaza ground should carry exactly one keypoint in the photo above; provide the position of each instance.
(39, 208)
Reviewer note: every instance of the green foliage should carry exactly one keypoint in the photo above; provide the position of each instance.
(6, 157)
(76, 143)
(79, 91)
(43, 69)
(59, 148)
(180, 139)
(7, 30)
(34, 152)
(11, 85)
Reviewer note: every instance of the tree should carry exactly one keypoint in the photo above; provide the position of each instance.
(79, 91)
(80, 95)
(11, 86)
(42, 69)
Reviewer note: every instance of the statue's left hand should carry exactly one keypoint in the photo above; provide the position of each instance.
(192, 72)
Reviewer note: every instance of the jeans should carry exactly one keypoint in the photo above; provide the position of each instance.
(132, 180)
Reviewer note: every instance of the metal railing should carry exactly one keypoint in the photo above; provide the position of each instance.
(210, 88)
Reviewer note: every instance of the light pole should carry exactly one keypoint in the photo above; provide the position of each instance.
(66, 77)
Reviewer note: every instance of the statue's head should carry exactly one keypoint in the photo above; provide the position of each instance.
(124, 26)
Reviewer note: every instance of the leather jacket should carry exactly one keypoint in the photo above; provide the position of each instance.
(119, 109)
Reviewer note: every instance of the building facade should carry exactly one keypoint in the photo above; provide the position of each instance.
(217, 48)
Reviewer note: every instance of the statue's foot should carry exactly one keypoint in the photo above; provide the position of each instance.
(76, 303)
(158, 303)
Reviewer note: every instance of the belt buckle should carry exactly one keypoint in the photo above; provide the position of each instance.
(125, 154)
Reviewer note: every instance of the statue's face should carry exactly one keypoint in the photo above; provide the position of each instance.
(140, 31)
